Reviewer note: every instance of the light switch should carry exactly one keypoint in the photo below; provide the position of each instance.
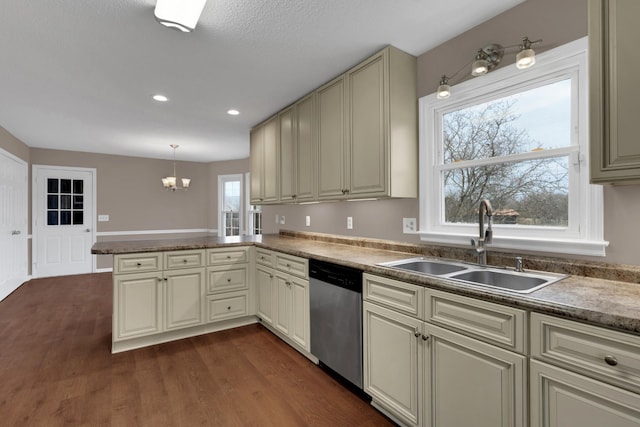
(307, 221)
(349, 223)
(103, 218)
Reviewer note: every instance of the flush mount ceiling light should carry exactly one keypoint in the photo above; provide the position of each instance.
(233, 112)
(170, 182)
(160, 98)
(181, 15)
(487, 59)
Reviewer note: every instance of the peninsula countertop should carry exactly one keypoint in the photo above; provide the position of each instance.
(608, 303)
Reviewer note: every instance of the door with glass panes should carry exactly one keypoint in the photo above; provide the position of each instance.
(63, 220)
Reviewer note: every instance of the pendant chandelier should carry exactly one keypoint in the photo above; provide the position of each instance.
(171, 182)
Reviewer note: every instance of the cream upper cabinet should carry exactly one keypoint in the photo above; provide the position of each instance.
(367, 130)
(264, 146)
(305, 148)
(296, 133)
(614, 66)
(331, 160)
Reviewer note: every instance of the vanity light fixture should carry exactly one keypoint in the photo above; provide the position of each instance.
(170, 182)
(181, 15)
(487, 59)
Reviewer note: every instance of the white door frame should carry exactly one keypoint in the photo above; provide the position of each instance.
(25, 231)
(34, 205)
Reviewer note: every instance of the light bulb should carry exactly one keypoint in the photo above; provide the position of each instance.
(444, 90)
(479, 67)
(525, 58)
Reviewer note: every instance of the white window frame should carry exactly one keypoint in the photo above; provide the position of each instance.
(584, 235)
(250, 209)
(222, 179)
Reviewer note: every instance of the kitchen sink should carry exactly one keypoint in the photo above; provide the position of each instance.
(425, 266)
(509, 280)
(494, 277)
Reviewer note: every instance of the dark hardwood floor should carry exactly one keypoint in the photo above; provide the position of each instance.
(56, 368)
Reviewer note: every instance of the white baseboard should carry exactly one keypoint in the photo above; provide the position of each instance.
(104, 270)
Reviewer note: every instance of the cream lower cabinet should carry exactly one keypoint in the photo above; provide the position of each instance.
(137, 305)
(596, 380)
(421, 374)
(560, 398)
(184, 298)
(283, 296)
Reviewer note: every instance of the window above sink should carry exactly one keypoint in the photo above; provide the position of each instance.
(520, 139)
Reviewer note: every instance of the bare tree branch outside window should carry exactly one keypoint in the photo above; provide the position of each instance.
(531, 192)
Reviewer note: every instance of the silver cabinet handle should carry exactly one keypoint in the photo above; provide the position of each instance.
(15, 232)
(611, 360)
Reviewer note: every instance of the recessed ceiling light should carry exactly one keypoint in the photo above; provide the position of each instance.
(160, 98)
(233, 112)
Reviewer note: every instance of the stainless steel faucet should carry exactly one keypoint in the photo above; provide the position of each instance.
(484, 235)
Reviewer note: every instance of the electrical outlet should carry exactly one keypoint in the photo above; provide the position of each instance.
(307, 221)
(349, 223)
(103, 218)
(409, 225)
(282, 219)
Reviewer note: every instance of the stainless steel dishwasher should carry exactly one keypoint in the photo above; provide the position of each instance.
(335, 294)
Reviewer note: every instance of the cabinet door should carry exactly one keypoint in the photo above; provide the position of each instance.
(560, 398)
(471, 383)
(270, 172)
(256, 154)
(286, 120)
(282, 320)
(300, 312)
(330, 100)
(614, 92)
(184, 301)
(367, 127)
(393, 362)
(305, 153)
(264, 287)
(138, 305)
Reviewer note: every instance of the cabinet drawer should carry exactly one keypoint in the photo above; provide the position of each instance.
(400, 296)
(228, 306)
(293, 265)
(183, 259)
(227, 256)
(134, 263)
(265, 257)
(226, 278)
(598, 352)
(495, 323)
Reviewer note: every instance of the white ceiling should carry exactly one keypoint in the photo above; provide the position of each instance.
(79, 75)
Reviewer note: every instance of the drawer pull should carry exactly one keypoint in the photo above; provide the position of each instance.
(416, 334)
(185, 261)
(138, 264)
(228, 256)
(425, 337)
(229, 308)
(611, 360)
(229, 280)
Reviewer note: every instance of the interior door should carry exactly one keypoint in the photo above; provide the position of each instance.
(64, 221)
(13, 223)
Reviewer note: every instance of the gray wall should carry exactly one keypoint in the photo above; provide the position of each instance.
(556, 23)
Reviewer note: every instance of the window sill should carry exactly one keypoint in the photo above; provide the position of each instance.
(564, 246)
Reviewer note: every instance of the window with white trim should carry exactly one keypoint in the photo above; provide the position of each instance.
(518, 138)
(254, 212)
(230, 204)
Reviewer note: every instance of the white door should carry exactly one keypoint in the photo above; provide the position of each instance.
(64, 220)
(13, 223)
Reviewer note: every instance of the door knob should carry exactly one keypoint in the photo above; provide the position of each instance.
(15, 232)
(88, 230)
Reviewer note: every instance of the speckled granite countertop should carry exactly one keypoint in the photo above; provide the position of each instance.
(610, 303)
